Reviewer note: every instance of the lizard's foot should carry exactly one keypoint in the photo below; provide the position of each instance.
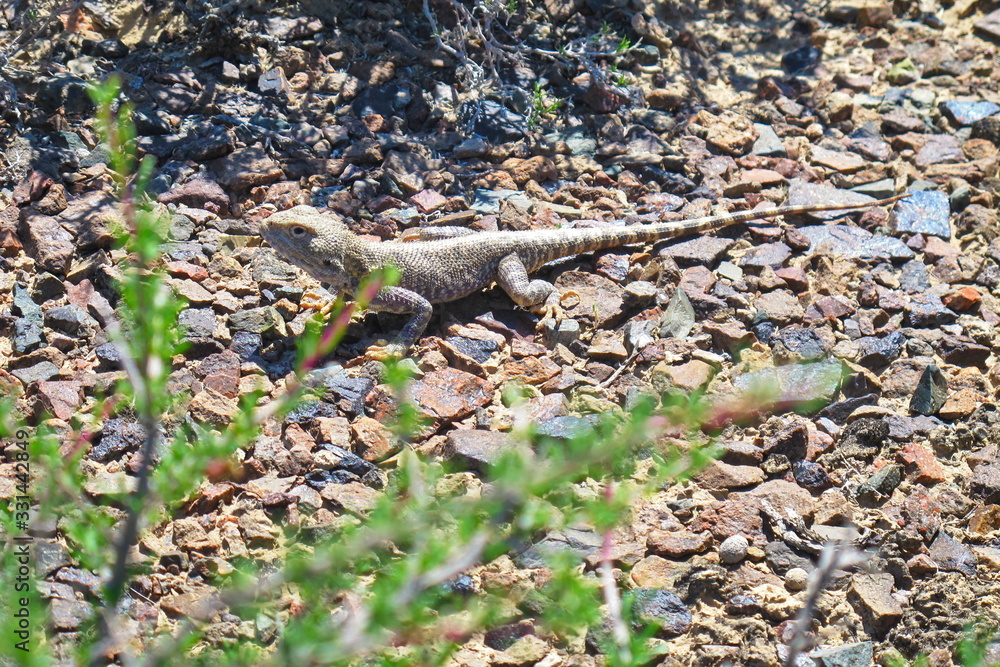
(384, 351)
(552, 308)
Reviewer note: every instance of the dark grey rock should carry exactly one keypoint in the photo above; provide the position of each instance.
(797, 344)
(877, 352)
(811, 475)
(987, 128)
(198, 322)
(67, 91)
(951, 555)
(699, 251)
(43, 370)
(656, 606)
(246, 344)
(27, 334)
(914, 277)
(765, 255)
(495, 122)
(70, 320)
(768, 142)
(882, 483)
(477, 349)
(927, 311)
(967, 113)
(854, 242)
(349, 392)
(863, 438)
(477, 449)
(117, 437)
(924, 212)
(847, 655)
(109, 357)
(781, 558)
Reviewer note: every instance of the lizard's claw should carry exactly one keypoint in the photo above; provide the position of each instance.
(552, 308)
(384, 351)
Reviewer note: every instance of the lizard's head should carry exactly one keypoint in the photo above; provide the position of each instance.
(312, 241)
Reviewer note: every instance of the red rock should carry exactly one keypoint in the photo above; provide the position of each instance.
(373, 441)
(59, 397)
(200, 193)
(964, 299)
(187, 270)
(678, 544)
(921, 464)
(794, 277)
(533, 370)
(735, 516)
(428, 201)
(451, 394)
(720, 476)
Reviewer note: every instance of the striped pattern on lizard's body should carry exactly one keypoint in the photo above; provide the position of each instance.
(464, 261)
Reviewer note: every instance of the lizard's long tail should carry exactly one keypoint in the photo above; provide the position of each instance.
(598, 239)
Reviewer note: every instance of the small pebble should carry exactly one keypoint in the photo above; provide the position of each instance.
(733, 549)
(796, 579)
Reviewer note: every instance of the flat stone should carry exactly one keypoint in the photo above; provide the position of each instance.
(925, 212)
(47, 242)
(678, 544)
(859, 654)
(661, 608)
(720, 476)
(854, 242)
(967, 113)
(477, 449)
(928, 311)
(264, 320)
(871, 596)
(939, 149)
(795, 382)
(841, 161)
(116, 438)
(43, 370)
(699, 251)
(246, 168)
(765, 255)
(61, 398)
(921, 464)
(951, 555)
(450, 394)
(768, 142)
(353, 497)
(802, 193)
(201, 193)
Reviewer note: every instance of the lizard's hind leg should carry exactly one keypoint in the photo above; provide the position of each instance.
(399, 300)
(539, 295)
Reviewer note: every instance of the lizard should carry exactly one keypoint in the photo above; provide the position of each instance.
(448, 263)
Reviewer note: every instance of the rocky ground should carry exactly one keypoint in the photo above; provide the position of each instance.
(708, 108)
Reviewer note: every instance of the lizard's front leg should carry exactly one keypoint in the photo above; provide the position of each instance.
(402, 301)
(539, 295)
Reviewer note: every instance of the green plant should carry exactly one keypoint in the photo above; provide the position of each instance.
(541, 104)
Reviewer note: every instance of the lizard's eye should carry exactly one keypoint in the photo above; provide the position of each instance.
(298, 230)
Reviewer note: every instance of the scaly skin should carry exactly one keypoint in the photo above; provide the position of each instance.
(460, 261)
